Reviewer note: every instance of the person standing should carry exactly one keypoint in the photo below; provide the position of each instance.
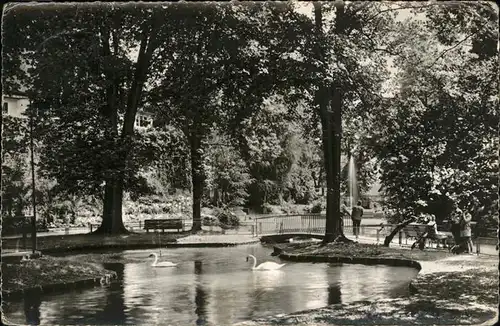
(356, 215)
(466, 230)
(455, 223)
(344, 212)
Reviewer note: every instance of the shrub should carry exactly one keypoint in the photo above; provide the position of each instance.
(228, 220)
(288, 208)
(317, 207)
(209, 221)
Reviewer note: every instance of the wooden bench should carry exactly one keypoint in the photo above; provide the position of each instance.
(421, 232)
(170, 224)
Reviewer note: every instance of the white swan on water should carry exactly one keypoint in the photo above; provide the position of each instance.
(161, 264)
(266, 266)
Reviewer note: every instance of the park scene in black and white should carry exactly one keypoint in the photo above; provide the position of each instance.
(250, 163)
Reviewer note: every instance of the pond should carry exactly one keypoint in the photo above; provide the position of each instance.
(210, 286)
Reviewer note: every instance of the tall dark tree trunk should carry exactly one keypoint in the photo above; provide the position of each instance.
(331, 123)
(329, 99)
(112, 222)
(328, 152)
(197, 178)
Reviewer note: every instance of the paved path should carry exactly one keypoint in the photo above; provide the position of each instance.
(219, 238)
(80, 230)
(241, 237)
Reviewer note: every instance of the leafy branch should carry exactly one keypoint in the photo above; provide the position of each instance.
(457, 44)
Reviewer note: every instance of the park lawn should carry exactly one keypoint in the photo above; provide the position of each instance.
(47, 270)
(62, 243)
(362, 250)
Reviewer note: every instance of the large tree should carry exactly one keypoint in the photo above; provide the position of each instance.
(341, 66)
(439, 133)
(218, 75)
(88, 65)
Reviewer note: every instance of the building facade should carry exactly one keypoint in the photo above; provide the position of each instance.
(14, 105)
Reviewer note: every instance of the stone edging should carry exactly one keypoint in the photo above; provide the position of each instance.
(61, 286)
(208, 244)
(350, 260)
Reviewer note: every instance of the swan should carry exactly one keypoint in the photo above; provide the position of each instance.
(266, 266)
(161, 264)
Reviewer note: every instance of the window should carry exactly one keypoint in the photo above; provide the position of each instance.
(5, 108)
(144, 121)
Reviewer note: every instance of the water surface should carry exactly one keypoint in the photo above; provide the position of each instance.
(210, 286)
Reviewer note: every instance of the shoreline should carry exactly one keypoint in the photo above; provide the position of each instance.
(435, 278)
(38, 275)
(96, 242)
(74, 245)
(437, 271)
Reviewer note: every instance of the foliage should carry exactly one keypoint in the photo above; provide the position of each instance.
(227, 219)
(227, 173)
(16, 185)
(317, 207)
(438, 136)
(88, 49)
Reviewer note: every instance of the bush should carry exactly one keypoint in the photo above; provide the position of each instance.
(228, 220)
(270, 209)
(317, 208)
(288, 208)
(209, 220)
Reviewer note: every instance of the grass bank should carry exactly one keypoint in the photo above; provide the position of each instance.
(449, 290)
(85, 242)
(49, 273)
(355, 250)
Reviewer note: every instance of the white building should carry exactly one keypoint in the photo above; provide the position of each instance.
(143, 120)
(14, 105)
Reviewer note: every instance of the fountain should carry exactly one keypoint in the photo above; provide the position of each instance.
(352, 181)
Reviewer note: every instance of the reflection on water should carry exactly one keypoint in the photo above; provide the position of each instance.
(32, 309)
(210, 286)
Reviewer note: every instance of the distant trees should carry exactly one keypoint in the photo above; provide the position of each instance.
(16, 185)
(271, 84)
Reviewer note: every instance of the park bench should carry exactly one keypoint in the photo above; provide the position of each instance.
(170, 224)
(423, 231)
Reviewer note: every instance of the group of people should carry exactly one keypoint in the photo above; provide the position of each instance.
(461, 228)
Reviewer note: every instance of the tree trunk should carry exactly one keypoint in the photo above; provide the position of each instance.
(331, 129)
(330, 105)
(328, 143)
(112, 222)
(396, 230)
(197, 178)
(112, 219)
(329, 99)
(216, 199)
